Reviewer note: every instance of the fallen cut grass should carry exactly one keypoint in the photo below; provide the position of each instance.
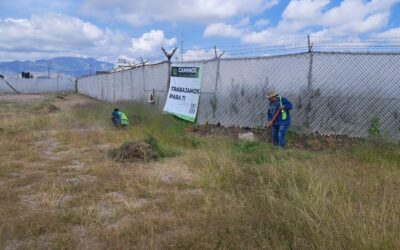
(202, 192)
(141, 151)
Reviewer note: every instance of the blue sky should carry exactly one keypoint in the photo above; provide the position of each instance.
(112, 29)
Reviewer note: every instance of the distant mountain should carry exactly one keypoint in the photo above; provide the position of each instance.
(69, 66)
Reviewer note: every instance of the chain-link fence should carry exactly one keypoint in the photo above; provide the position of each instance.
(353, 94)
(332, 93)
(128, 85)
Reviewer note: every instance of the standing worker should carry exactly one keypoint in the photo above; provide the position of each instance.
(119, 119)
(278, 117)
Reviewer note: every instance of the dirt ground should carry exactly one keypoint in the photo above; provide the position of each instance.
(21, 98)
(60, 189)
(295, 141)
(62, 169)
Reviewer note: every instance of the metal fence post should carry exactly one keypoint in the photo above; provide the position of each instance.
(309, 84)
(122, 82)
(102, 88)
(132, 96)
(107, 98)
(214, 101)
(114, 87)
(169, 75)
(169, 56)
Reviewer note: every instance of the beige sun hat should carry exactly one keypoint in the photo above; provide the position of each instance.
(271, 94)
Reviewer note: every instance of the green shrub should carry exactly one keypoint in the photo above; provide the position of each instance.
(374, 128)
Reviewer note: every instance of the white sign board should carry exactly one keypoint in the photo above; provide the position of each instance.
(184, 91)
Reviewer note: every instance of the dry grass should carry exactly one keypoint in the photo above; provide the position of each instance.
(60, 190)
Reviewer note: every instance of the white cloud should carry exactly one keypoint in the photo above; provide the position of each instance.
(301, 17)
(350, 17)
(358, 16)
(199, 54)
(391, 33)
(304, 9)
(48, 32)
(55, 35)
(371, 23)
(139, 12)
(262, 22)
(132, 19)
(222, 30)
(243, 22)
(151, 42)
(245, 34)
(257, 37)
(52, 35)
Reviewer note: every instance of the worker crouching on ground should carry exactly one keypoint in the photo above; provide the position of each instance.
(278, 117)
(119, 119)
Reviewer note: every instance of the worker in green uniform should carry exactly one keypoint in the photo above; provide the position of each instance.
(119, 119)
(278, 117)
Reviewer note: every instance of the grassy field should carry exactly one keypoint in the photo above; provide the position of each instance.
(59, 188)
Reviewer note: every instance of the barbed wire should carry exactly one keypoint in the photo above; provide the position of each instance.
(289, 45)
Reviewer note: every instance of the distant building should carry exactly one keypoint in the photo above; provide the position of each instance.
(102, 72)
(26, 75)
